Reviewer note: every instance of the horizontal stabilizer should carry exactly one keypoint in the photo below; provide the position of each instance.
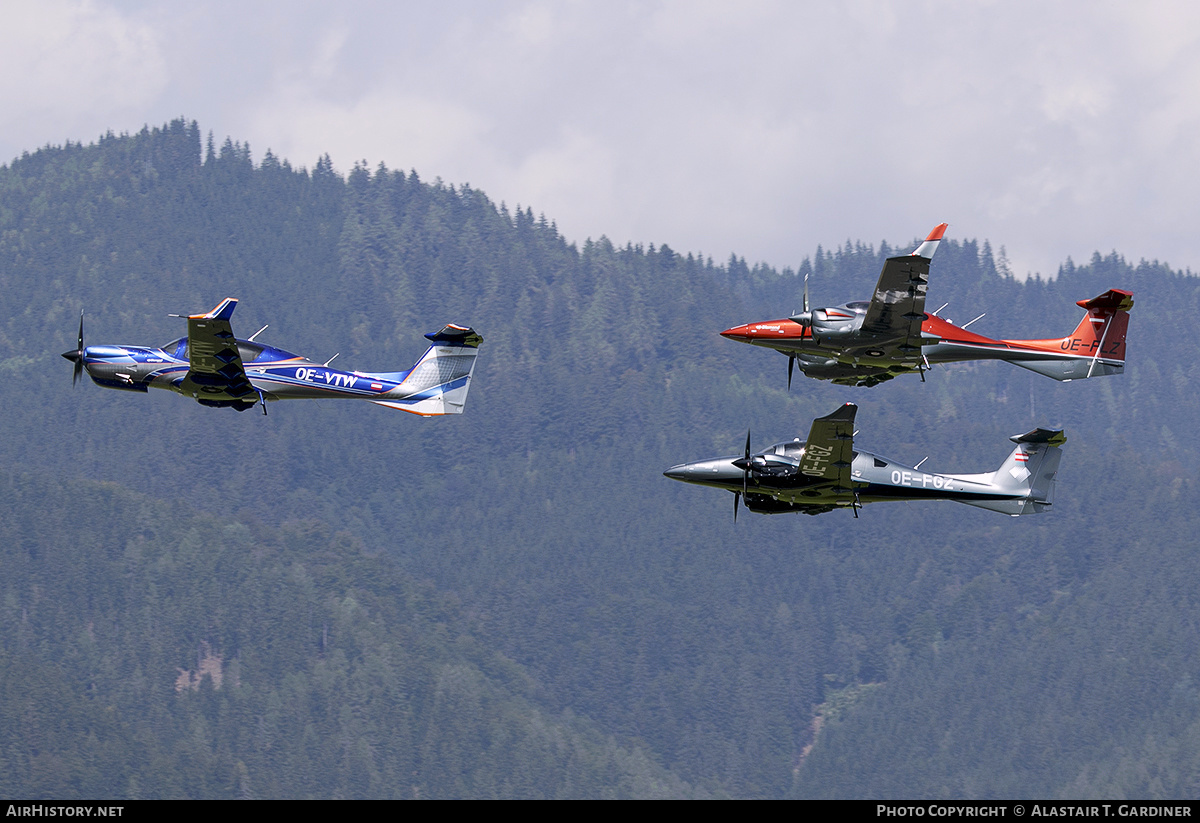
(1048, 436)
(1111, 300)
(451, 335)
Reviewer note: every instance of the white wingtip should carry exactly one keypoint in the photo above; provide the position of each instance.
(930, 245)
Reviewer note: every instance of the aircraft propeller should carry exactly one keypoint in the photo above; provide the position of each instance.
(76, 356)
(744, 465)
(804, 318)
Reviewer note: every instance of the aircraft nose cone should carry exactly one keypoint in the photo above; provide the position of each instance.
(738, 332)
(680, 472)
(74, 355)
(707, 472)
(766, 331)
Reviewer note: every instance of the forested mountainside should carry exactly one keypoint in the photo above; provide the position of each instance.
(232, 658)
(515, 602)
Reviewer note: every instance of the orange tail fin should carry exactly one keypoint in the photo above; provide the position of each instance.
(1102, 332)
(1096, 347)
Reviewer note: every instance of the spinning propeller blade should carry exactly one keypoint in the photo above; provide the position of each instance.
(76, 356)
(805, 318)
(737, 496)
(746, 468)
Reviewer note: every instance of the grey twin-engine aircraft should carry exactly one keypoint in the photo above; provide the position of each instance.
(824, 473)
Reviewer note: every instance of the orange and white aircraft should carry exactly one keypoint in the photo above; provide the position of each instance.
(864, 343)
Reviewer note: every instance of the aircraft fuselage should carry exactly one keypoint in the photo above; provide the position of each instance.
(785, 478)
(275, 373)
(834, 347)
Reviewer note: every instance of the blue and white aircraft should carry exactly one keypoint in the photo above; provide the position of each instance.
(216, 369)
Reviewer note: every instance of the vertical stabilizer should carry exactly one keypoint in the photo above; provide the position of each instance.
(1095, 348)
(1101, 334)
(1026, 478)
(439, 382)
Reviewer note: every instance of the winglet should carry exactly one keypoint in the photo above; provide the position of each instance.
(222, 312)
(930, 245)
(844, 414)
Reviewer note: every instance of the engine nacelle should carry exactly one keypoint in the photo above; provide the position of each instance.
(827, 325)
(765, 504)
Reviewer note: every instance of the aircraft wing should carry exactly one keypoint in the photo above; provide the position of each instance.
(898, 306)
(215, 367)
(829, 450)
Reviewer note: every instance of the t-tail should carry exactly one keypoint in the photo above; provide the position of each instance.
(1024, 483)
(439, 381)
(1095, 348)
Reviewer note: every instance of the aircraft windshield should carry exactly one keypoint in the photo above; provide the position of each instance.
(177, 348)
(859, 306)
(249, 351)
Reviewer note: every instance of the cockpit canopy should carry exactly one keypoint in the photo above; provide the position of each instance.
(176, 349)
(792, 448)
(250, 352)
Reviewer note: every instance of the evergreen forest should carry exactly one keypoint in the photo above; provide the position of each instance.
(339, 600)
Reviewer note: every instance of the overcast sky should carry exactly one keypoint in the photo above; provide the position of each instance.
(760, 128)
